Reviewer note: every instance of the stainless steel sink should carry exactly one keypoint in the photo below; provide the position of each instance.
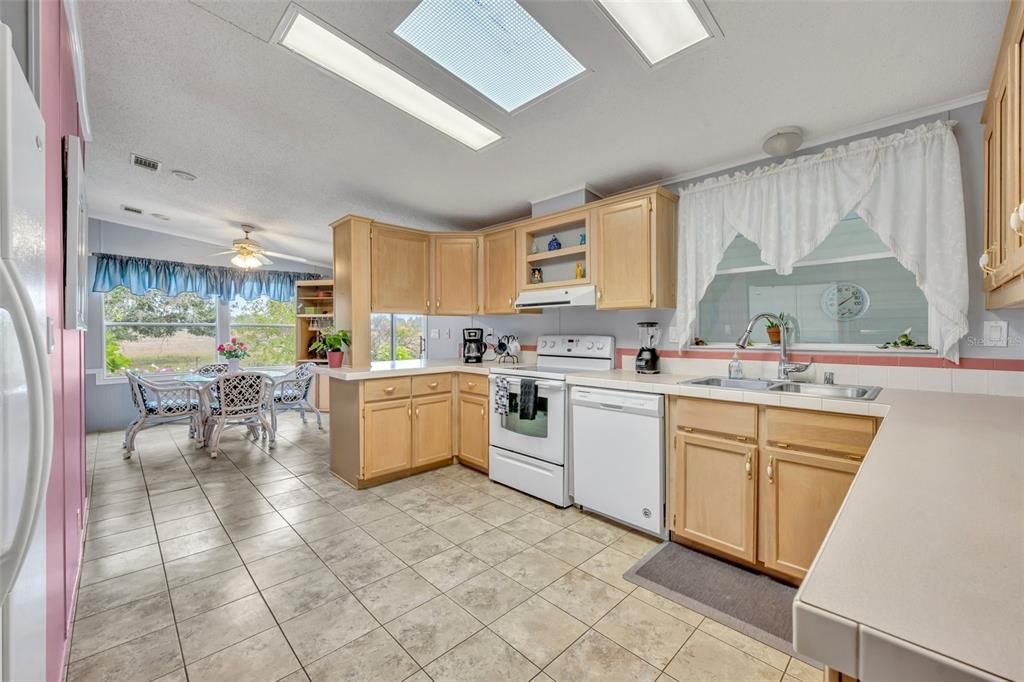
(828, 390)
(794, 387)
(740, 384)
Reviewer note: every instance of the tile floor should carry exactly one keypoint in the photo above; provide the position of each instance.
(260, 565)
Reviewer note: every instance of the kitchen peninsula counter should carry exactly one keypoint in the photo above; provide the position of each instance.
(401, 368)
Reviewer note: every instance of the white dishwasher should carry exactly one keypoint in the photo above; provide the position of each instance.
(618, 456)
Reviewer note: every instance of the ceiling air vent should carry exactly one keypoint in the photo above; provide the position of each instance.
(132, 209)
(145, 163)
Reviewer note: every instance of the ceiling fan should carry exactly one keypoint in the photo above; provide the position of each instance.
(249, 254)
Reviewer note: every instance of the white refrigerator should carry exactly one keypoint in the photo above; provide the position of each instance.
(26, 400)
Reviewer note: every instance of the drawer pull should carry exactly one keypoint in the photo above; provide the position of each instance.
(782, 445)
(470, 384)
(688, 429)
(389, 389)
(432, 384)
(771, 470)
(750, 473)
(741, 438)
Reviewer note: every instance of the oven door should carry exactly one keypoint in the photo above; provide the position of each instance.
(542, 437)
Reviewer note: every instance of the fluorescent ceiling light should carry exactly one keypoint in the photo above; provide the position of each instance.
(658, 28)
(495, 46)
(330, 51)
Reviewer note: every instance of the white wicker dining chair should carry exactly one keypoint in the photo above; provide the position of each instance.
(161, 403)
(215, 369)
(241, 399)
(292, 392)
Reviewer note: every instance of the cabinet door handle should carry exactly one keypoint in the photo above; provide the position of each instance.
(432, 384)
(389, 390)
(599, 294)
(408, 411)
(428, 304)
(482, 411)
(750, 473)
(1015, 221)
(771, 470)
(510, 303)
(417, 411)
(984, 261)
(437, 304)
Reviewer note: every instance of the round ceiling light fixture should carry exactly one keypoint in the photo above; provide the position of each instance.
(183, 175)
(159, 216)
(783, 141)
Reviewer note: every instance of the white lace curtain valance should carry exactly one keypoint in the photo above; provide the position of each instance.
(906, 187)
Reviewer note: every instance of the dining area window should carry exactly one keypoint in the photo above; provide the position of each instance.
(268, 328)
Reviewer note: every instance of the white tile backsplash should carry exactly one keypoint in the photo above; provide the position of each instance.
(1006, 383)
(873, 375)
(970, 381)
(902, 377)
(935, 379)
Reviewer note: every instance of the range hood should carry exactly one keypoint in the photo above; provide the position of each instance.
(557, 298)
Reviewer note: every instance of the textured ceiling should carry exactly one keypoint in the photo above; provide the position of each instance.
(281, 144)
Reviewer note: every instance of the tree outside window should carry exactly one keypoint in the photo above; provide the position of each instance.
(397, 337)
(267, 327)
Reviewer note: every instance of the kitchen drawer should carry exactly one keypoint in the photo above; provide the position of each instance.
(473, 383)
(431, 383)
(839, 433)
(385, 389)
(698, 414)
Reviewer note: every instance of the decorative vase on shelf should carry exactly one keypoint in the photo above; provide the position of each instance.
(234, 365)
(554, 244)
(335, 358)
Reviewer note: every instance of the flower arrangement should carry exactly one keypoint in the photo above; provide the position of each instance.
(233, 349)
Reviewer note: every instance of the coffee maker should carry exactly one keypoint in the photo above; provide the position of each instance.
(472, 345)
(647, 358)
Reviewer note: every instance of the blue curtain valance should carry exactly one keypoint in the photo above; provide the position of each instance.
(140, 275)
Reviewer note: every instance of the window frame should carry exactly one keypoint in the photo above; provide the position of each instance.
(394, 337)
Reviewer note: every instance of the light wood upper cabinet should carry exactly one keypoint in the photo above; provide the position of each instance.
(473, 433)
(431, 429)
(635, 245)
(399, 270)
(499, 263)
(456, 275)
(387, 437)
(802, 494)
(713, 493)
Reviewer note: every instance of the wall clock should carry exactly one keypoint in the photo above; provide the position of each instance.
(844, 301)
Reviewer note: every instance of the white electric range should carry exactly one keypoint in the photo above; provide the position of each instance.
(531, 454)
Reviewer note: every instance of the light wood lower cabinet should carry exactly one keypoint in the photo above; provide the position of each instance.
(473, 430)
(431, 429)
(714, 493)
(387, 437)
(803, 494)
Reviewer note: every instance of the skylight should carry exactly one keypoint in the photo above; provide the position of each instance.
(658, 29)
(495, 46)
(327, 49)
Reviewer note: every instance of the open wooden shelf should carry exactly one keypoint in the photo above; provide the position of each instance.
(557, 284)
(564, 252)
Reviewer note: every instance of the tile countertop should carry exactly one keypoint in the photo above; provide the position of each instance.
(398, 368)
(922, 573)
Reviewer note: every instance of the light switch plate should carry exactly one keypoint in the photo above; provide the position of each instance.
(996, 333)
(673, 334)
(435, 333)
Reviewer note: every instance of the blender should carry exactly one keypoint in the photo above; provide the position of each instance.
(647, 358)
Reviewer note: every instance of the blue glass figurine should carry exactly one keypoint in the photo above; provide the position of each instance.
(583, 238)
(554, 244)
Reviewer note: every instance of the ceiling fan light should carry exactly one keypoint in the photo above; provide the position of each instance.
(246, 261)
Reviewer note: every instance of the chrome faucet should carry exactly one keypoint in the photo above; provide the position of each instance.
(785, 366)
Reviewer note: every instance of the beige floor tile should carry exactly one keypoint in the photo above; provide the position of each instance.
(147, 657)
(123, 589)
(430, 630)
(679, 611)
(223, 626)
(706, 659)
(305, 512)
(490, 595)
(538, 630)
(208, 593)
(461, 528)
(530, 529)
(181, 510)
(121, 563)
(366, 566)
(443, 487)
(327, 628)
(411, 497)
(805, 672)
(265, 657)
(432, 511)
(297, 676)
(494, 546)
(534, 569)
(498, 512)
(343, 544)
(118, 524)
(196, 542)
(109, 511)
(635, 544)
(169, 530)
(201, 565)
(348, 498)
(375, 657)
(119, 625)
(651, 634)
(279, 486)
(416, 547)
(118, 542)
(583, 596)
(393, 527)
(418, 676)
(322, 526)
(266, 544)
(570, 547)
(468, 498)
(483, 657)
(749, 645)
(293, 498)
(598, 529)
(304, 593)
(255, 525)
(595, 657)
(449, 568)
(389, 490)
(609, 565)
(370, 511)
(283, 566)
(396, 594)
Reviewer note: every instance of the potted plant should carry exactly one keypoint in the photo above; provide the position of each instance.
(333, 342)
(234, 350)
(774, 330)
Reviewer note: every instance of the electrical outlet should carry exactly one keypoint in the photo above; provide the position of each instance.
(995, 332)
(435, 333)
